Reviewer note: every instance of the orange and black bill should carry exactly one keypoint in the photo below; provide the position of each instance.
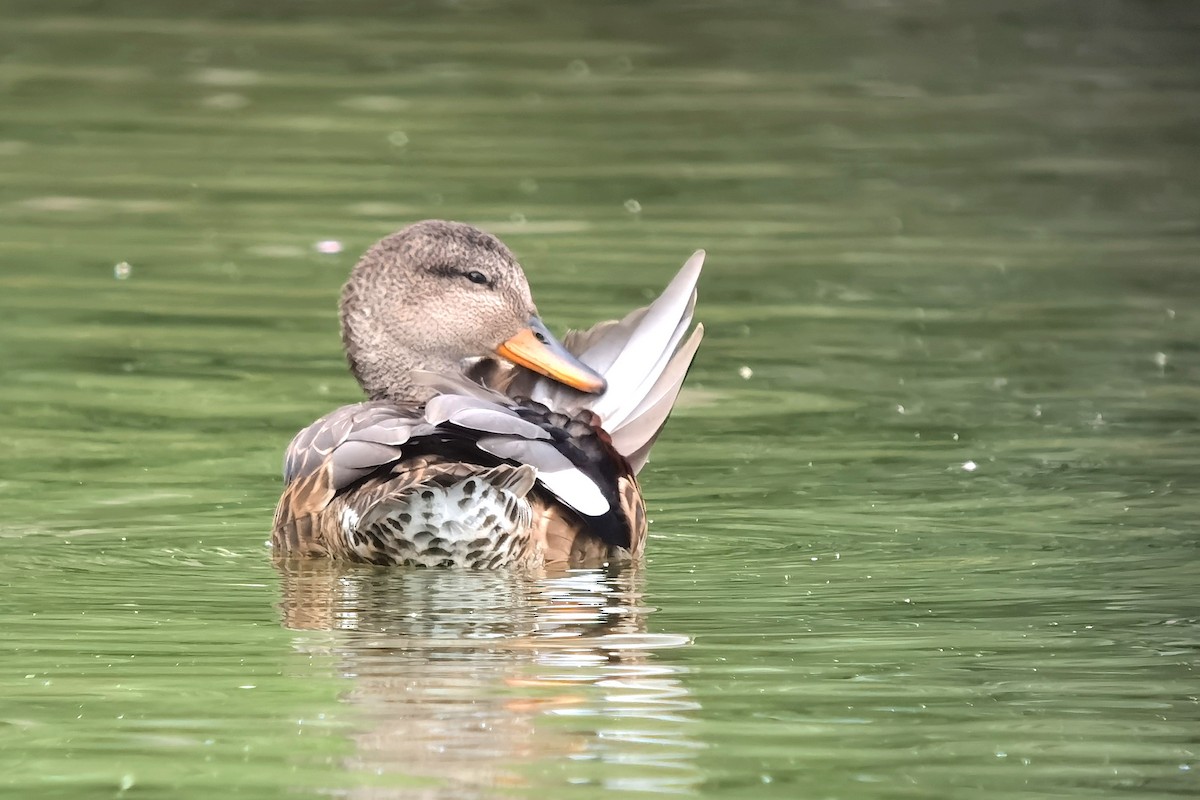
(536, 348)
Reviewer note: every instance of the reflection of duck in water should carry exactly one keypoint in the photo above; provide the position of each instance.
(485, 441)
(491, 679)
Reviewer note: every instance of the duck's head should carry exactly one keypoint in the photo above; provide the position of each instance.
(438, 296)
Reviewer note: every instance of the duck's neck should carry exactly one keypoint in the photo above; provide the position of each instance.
(384, 368)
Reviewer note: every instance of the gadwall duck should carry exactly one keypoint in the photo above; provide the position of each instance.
(485, 442)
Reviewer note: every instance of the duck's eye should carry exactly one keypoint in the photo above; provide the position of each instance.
(475, 276)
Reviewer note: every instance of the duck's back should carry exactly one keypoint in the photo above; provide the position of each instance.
(461, 481)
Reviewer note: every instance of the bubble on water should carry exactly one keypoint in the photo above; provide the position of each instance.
(633, 206)
(398, 138)
(122, 271)
(329, 247)
(970, 466)
(745, 372)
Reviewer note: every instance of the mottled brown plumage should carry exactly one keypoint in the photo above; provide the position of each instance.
(474, 449)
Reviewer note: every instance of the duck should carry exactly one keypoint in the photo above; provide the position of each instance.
(485, 441)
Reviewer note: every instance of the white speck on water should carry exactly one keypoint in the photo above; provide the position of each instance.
(970, 466)
(900, 409)
(398, 138)
(633, 206)
(122, 271)
(248, 686)
(329, 247)
(1160, 360)
(1037, 410)
(745, 372)
(1098, 420)
(955, 437)
(1170, 313)
(127, 782)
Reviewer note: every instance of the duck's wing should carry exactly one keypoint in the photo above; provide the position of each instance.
(326, 459)
(644, 357)
(378, 450)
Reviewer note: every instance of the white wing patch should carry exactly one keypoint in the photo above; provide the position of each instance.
(576, 490)
(554, 471)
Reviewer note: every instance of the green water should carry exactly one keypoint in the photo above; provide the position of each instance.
(941, 235)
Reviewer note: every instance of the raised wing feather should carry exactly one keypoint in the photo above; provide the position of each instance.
(643, 357)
